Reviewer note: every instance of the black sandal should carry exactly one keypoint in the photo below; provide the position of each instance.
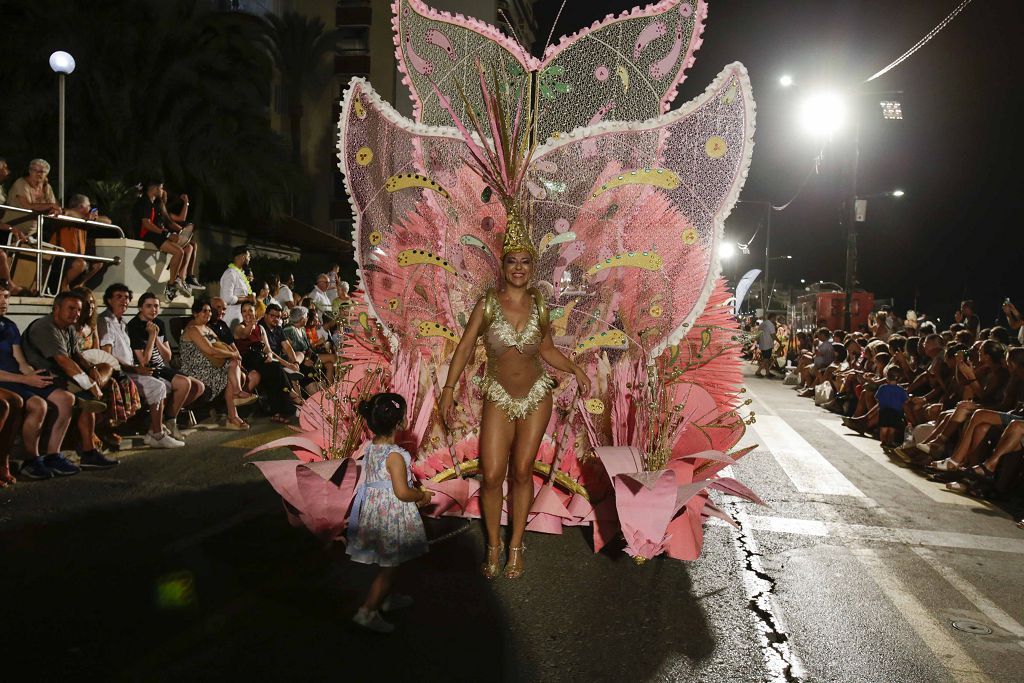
(985, 475)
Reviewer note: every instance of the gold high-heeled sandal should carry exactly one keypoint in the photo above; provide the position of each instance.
(492, 565)
(514, 567)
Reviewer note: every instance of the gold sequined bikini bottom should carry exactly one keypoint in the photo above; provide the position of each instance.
(516, 408)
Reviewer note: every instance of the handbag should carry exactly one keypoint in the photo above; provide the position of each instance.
(823, 393)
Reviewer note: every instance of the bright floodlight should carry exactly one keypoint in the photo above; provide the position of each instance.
(898, 193)
(61, 62)
(823, 114)
(786, 81)
(892, 110)
(726, 250)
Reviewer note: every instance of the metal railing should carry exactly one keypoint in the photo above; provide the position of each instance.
(43, 249)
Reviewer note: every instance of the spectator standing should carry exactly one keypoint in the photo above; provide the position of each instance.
(114, 339)
(51, 344)
(969, 319)
(333, 276)
(151, 350)
(766, 344)
(286, 292)
(235, 287)
(150, 218)
(885, 323)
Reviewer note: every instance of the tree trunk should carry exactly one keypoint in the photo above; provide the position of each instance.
(295, 119)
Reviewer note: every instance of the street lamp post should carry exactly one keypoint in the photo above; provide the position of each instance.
(62, 64)
(822, 115)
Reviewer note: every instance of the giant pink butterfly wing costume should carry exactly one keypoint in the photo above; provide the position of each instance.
(627, 202)
(620, 209)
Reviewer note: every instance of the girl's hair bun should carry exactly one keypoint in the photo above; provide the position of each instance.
(365, 408)
(383, 412)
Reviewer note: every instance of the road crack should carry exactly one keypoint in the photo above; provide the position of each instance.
(775, 642)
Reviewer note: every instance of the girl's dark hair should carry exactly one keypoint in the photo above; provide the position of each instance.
(199, 304)
(382, 412)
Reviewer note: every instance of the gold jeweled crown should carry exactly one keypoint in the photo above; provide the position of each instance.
(517, 235)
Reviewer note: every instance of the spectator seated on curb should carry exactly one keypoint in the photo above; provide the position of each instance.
(215, 363)
(114, 339)
(281, 349)
(266, 369)
(957, 396)
(151, 350)
(51, 344)
(28, 397)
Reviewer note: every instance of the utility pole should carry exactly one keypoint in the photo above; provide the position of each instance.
(767, 244)
(849, 217)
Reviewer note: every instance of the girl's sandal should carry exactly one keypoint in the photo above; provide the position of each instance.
(515, 568)
(279, 419)
(6, 478)
(492, 565)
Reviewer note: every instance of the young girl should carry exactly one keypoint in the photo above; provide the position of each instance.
(385, 527)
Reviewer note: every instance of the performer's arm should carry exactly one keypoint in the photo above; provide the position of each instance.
(464, 351)
(461, 357)
(556, 359)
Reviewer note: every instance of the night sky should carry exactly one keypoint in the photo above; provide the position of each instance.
(957, 232)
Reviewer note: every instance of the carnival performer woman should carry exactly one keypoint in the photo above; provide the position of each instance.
(513, 322)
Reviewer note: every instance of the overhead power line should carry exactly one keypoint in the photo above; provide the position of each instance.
(921, 43)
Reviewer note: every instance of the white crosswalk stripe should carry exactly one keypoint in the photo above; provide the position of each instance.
(808, 469)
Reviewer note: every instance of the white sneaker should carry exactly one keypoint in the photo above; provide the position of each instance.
(396, 601)
(171, 428)
(180, 285)
(372, 621)
(161, 441)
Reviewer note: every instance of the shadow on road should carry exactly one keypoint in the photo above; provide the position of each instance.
(213, 583)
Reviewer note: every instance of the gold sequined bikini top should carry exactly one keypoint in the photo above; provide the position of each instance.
(500, 335)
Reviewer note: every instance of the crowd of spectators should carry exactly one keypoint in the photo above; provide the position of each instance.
(90, 373)
(949, 402)
(151, 220)
(85, 376)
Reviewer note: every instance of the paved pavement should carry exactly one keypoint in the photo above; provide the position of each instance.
(180, 565)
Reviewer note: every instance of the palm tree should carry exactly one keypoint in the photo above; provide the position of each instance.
(174, 88)
(299, 46)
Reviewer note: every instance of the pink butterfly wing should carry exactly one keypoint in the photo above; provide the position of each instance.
(621, 203)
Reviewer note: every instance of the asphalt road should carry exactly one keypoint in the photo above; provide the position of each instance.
(181, 566)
